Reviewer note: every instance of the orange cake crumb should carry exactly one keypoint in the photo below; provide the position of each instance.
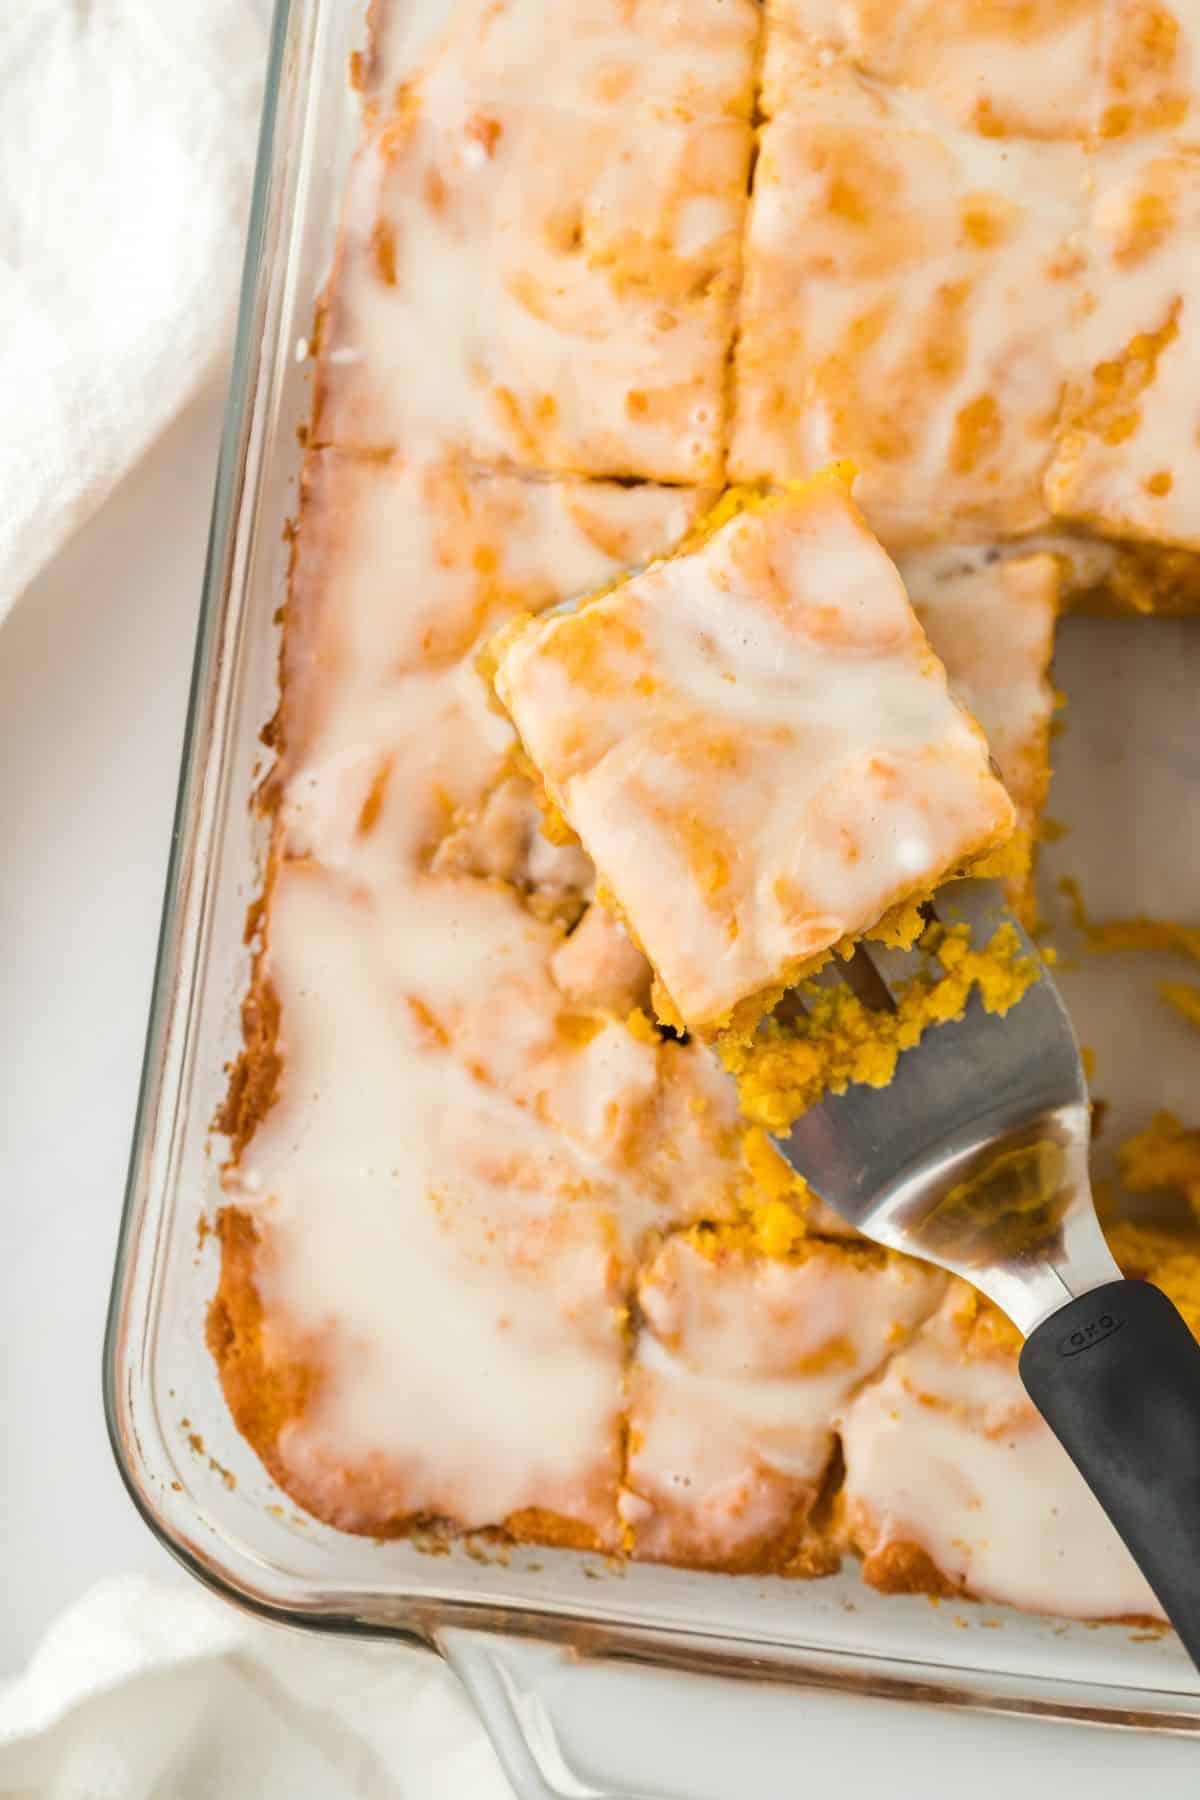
(1184, 997)
(1163, 1159)
(838, 1039)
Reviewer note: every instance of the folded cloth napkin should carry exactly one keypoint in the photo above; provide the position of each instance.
(127, 132)
(146, 1689)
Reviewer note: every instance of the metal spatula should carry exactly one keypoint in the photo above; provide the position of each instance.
(975, 1157)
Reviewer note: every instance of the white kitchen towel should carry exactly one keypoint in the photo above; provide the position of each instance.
(127, 133)
(153, 1690)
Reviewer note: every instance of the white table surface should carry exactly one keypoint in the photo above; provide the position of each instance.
(94, 667)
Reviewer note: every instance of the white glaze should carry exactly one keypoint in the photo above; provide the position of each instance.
(911, 292)
(683, 58)
(1115, 455)
(503, 840)
(402, 569)
(451, 1183)
(549, 279)
(740, 1368)
(1044, 69)
(601, 965)
(947, 1452)
(755, 745)
(400, 35)
(958, 227)
(418, 1220)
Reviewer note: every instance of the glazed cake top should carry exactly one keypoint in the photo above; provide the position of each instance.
(756, 745)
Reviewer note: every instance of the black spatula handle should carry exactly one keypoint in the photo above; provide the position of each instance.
(1116, 1376)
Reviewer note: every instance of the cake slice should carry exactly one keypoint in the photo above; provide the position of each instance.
(955, 1483)
(757, 747)
(911, 300)
(741, 1364)
(541, 243)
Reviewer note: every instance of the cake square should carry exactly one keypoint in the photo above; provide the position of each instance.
(911, 301)
(1128, 457)
(548, 284)
(410, 1243)
(955, 1483)
(741, 1365)
(756, 746)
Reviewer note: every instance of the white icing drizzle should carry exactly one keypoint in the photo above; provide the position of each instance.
(503, 840)
(452, 1182)
(740, 1368)
(690, 59)
(550, 281)
(400, 36)
(947, 1452)
(755, 745)
(423, 1238)
(1029, 71)
(601, 965)
(402, 569)
(965, 238)
(911, 291)
(1128, 459)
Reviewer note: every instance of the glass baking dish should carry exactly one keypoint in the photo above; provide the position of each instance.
(516, 1624)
